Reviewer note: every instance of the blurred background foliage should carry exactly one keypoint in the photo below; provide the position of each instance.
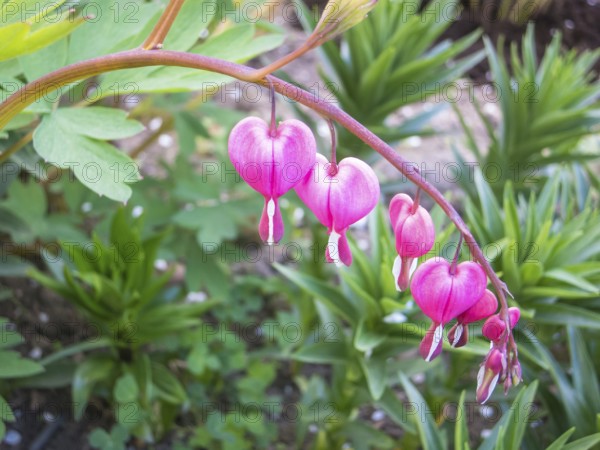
(200, 328)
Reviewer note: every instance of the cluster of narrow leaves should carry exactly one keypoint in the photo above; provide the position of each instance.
(548, 254)
(547, 106)
(13, 366)
(115, 286)
(392, 59)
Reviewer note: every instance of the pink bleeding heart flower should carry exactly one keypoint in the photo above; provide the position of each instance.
(415, 236)
(339, 195)
(494, 328)
(491, 371)
(272, 163)
(443, 291)
(487, 305)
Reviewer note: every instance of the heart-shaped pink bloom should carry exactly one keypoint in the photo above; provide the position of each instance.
(413, 227)
(443, 293)
(415, 236)
(339, 196)
(484, 307)
(272, 164)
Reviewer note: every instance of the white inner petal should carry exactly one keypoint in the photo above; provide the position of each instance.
(413, 267)
(437, 337)
(333, 249)
(480, 376)
(270, 214)
(396, 272)
(491, 388)
(457, 334)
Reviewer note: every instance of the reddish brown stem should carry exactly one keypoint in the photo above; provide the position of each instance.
(156, 38)
(139, 58)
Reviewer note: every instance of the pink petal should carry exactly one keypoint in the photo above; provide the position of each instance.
(353, 194)
(468, 286)
(313, 190)
(339, 199)
(431, 286)
(492, 370)
(295, 150)
(485, 307)
(271, 165)
(493, 328)
(416, 235)
(458, 336)
(400, 207)
(432, 343)
(338, 249)
(441, 295)
(403, 270)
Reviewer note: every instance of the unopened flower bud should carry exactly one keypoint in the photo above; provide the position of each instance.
(338, 16)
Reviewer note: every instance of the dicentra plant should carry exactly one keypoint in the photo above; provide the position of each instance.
(273, 158)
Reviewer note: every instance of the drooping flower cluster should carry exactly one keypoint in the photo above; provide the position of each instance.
(496, 368)
(444, 291)
(447, 291)
(275, 159)
(415, 236)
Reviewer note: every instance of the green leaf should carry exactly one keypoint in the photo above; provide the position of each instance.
(564, 314)
(322, 353)
(6, 412)
(97, 164)
(100, 439)
(374, 369)
(431, 436)
(509, 431)
(90, 372)
(461, 432)
(365, 340)
(559, 443)
(14, 366)
(237, 43)
(97, 122)
(396, 410)
(584, 443)
(193, 18)
(572, 279)
(201, 358)
(583, 369)
(45, 61)
(168, 387)
(14, 266)
(325, 292)
(10, 336)
(122, 27)
(22, 38)
(126, 389)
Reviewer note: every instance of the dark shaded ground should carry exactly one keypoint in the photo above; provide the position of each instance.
(577, 20)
